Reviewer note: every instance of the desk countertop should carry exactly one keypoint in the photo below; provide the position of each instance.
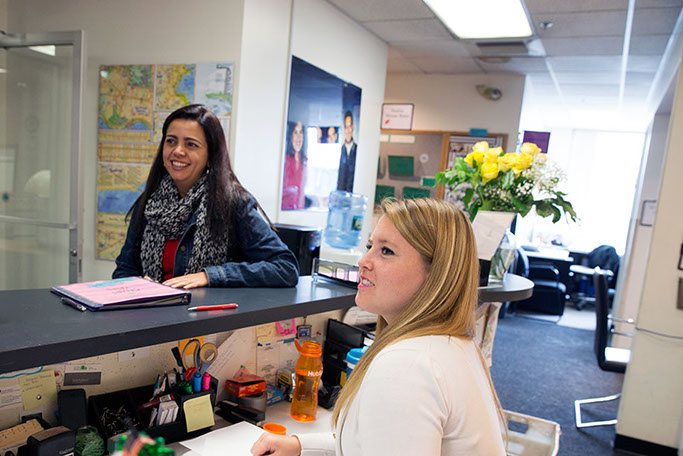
(37, 329)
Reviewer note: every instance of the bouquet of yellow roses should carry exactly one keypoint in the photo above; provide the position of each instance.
(515, 182)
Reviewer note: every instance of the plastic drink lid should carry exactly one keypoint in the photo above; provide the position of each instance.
(354, 355)
(275, 428)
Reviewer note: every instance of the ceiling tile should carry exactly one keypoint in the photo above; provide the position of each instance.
(589, 77)
(639, 79)
(648, 44)
(435, 48)
(585, 63)
(643, 62)
(596, 90)
(452, 66)
(655, 21)
(607, 45)
(409, 30)
(554, 6)
(593, 23)
(373, 10)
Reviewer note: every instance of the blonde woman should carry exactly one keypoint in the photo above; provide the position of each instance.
(422, 388)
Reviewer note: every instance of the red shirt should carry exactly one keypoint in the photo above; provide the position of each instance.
(293, 184)
(168, 260)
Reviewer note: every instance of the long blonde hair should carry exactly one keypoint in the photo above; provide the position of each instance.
(445, 304)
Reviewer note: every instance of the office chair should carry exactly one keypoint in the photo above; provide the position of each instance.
(549, 292)
(604, 257)
(610, 359)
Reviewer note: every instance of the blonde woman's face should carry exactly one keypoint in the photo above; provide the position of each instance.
(392, 271)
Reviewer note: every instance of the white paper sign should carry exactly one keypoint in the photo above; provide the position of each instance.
(397, 116)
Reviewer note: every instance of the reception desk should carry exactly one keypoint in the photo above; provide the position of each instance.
(38, 329)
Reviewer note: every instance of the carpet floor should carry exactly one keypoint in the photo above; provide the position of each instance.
(540, 368)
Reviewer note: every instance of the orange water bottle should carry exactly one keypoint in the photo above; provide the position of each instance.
(308, 370)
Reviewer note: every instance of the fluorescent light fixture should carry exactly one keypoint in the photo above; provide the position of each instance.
(3, 70)
(48, 50)
(482, 19)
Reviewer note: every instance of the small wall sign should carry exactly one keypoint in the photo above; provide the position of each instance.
(397, 116)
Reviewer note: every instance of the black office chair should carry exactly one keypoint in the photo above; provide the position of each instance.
(549, 293)
(610, 359)
(604, 257)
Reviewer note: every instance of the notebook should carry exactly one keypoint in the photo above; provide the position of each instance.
(125, 293)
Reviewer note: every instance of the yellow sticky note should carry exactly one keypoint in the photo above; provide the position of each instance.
(38, 390)
(198, 413)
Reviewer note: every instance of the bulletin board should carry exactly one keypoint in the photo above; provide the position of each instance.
(408, 161)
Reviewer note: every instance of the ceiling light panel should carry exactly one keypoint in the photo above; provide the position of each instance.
(483, 19)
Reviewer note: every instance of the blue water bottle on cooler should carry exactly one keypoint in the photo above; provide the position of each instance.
(345, 219)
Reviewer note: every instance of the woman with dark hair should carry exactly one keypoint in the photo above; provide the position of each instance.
(294, 179)
(423, 387)
(194, 225)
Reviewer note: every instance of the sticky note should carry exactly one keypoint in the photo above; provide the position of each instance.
(38, 390)
(198, 413)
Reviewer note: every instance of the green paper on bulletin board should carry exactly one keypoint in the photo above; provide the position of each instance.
(384, 191)
(415, 192)
(428, 181)
(198, 413)
(401, 165)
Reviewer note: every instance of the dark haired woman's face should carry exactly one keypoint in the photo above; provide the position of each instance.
(298, 137)
(185, 153)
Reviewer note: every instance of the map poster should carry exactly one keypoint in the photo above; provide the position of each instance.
(134, 101)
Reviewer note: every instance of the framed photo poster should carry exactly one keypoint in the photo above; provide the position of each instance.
(320, 144)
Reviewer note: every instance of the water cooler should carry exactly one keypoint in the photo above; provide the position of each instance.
(304, 241)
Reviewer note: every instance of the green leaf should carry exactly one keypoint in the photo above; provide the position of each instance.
(472, 211)
(460, 164)
(508, 178)
(524, 210)
(557, 215)
(469, 193)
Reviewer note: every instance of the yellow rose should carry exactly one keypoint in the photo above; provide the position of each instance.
(489, 171)
(481, 146)
(507, 161)
(530, 148)
(491, 155)
(474, 158)
(523, 162)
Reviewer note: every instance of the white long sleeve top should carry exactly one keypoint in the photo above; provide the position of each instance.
(424, 396)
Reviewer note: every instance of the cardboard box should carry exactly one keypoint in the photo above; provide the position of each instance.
(245, 385)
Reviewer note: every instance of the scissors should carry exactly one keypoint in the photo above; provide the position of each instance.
(201, 356)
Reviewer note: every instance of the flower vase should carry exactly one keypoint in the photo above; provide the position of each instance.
(502, 259)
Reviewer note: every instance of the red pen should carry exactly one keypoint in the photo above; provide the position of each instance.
(218, 307)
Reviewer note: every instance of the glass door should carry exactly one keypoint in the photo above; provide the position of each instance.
(41, 78)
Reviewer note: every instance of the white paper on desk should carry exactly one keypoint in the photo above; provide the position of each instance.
(489, 228)
(235, 440)
(237, 350)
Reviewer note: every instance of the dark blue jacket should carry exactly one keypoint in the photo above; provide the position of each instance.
(258, 258)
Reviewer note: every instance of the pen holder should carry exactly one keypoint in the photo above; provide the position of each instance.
(102, 406)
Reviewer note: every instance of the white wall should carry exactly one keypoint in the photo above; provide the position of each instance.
(650, 407)
(261, 95)
(630, 282)
(357, 57)
(452, 103)
(130, 32)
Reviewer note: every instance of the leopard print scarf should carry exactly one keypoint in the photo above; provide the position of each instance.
(167, 215)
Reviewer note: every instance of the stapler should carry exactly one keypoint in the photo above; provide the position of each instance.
(234, 413)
